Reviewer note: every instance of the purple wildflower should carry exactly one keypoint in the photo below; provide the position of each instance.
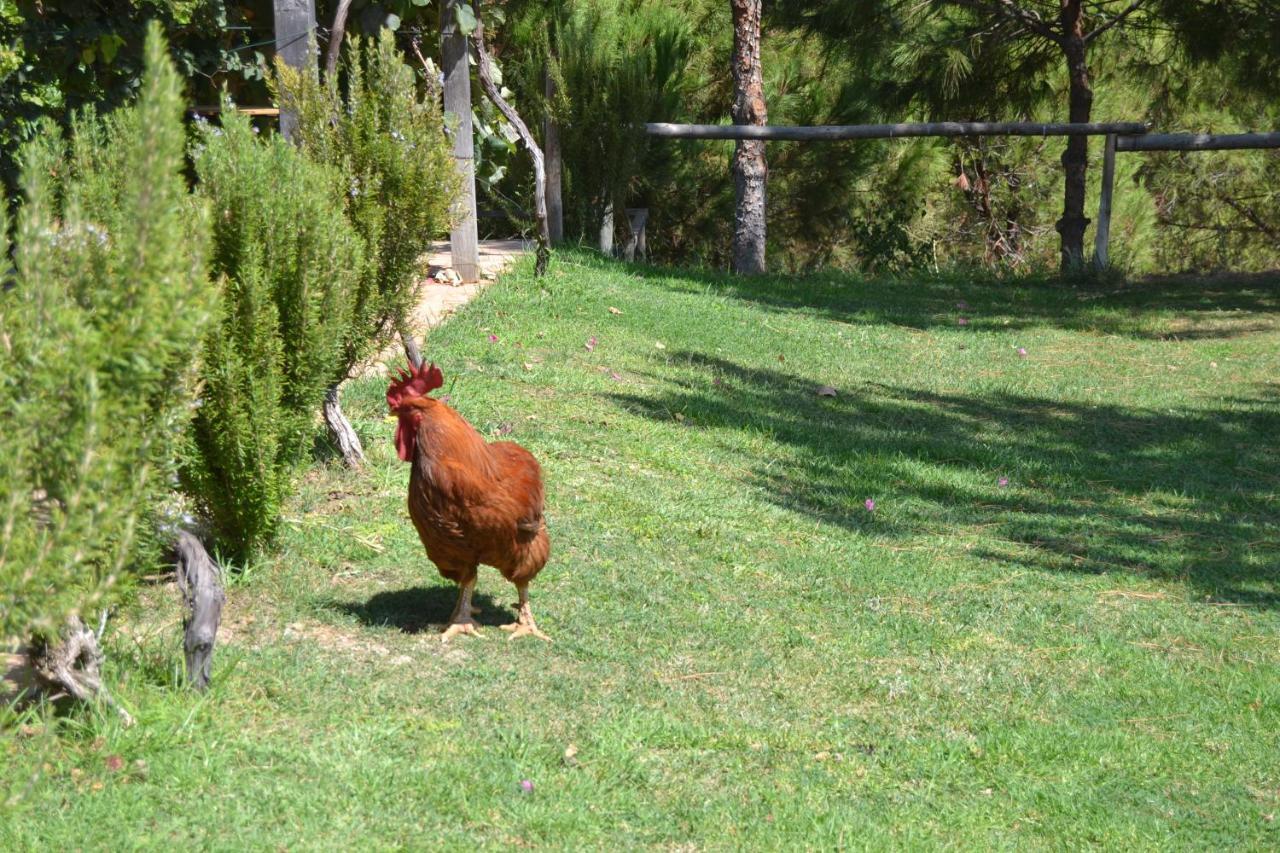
(870, 504)
(493, 339)
(526, 785)
(1002, 482)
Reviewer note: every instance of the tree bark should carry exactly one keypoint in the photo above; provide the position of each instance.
(484, 67)
(344, 435)
(551, 148)
(750, 170)
(1075, 160)
(410, 345)
(201, 585)
(336, 33)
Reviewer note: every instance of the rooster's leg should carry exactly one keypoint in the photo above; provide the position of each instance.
(461, 622)
(524, 625)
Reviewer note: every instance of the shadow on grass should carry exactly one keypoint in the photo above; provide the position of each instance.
(1194, 308)
(1189, 494)
(420, 609)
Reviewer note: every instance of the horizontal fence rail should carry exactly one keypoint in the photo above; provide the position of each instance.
(1198, 141)
(796, 133)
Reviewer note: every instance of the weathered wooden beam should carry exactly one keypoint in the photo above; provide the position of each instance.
(1199, 141)
(463, 239)
(798, 133)
(1102, 236)
(249, 111)
(295, 23)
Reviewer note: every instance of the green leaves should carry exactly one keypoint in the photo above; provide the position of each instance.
(466, 17)
(289, 262)
(102, 315)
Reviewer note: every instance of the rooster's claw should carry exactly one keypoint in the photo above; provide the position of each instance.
(522, 629)
(457, 628)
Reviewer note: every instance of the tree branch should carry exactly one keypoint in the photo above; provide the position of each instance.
(484, 67)
(1250, 215)
(1011, 10)
(1133, 7)
(335, 38)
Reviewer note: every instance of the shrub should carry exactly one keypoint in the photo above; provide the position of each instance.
(389, 142)
(289, 262)
(102, 314)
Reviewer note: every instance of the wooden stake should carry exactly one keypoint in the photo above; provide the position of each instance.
(463, 240)
(1103, 234)
(295, 23)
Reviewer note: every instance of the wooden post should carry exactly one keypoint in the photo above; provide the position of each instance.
(457, 109)
(606, 230)
(551, 148)
(295, 22)
(636, 244)
(1103, 234)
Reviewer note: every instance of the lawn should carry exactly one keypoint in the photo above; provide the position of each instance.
(1056, 626)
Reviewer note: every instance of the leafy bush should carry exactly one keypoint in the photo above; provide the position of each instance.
(388, 141)
(56, 58)
(289, 263)
(102, 314)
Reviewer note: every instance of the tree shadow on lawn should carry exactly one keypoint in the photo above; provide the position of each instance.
(1189, 494)
(1219, 306)
(420, 609)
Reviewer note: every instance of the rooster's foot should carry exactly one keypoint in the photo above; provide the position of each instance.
(524, 629)
(456, 628)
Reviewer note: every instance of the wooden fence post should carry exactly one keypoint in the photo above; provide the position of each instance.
(457, 103)
(295, 23)
(1103, 234)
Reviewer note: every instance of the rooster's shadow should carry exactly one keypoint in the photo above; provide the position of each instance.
(420, 609)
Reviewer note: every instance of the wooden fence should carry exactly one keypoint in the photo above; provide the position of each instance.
(1120, 136)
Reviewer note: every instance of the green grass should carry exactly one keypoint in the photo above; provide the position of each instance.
(746, 657)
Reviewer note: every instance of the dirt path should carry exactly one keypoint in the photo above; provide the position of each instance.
(440, 296)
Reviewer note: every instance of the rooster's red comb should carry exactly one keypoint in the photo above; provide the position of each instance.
(414, 382)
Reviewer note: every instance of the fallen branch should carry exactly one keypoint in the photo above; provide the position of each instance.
(201, 586)
(66, 667)
(484, 66)
(344, 435)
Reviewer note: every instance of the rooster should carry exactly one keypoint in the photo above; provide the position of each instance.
(472, 502)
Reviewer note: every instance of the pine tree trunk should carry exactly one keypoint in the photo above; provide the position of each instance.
(750, 170)
(341, 430)
(551, 145)
(1075, 160)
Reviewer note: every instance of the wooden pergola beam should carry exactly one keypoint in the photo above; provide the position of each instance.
(796, 133)
(1199, 141)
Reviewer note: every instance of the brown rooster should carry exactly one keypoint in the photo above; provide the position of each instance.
(472, 502)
